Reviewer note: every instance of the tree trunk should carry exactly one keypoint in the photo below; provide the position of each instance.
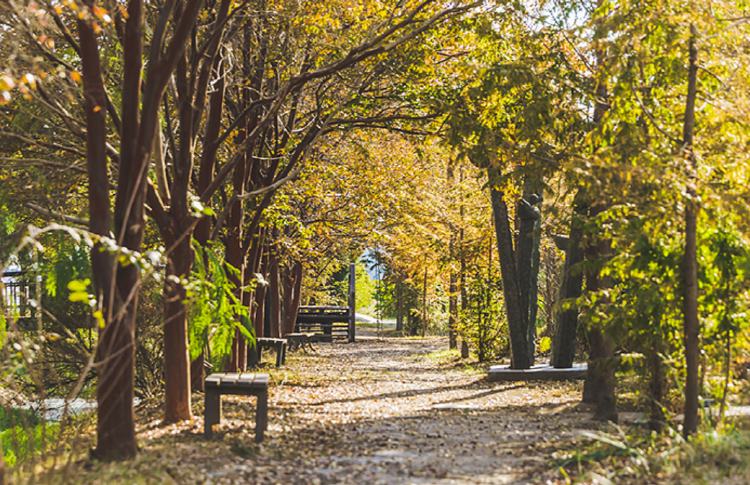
(527, 261)
(274, 288)
(424, 304)
(205, 175)
(566, 329)
(452, 285)
(462, 277)
(657, 420)
(399, 306)
(115, 349)
(517, 316)
(453, 311)
(176, 348)
(260, 300)
(690, 265)
(599, 386)
(292, 296)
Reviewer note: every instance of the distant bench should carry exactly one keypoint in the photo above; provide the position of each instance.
(246, 384)
(279, 344)
(329, 322)
(299, 340)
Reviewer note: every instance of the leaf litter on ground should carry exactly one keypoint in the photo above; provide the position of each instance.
(370, 412)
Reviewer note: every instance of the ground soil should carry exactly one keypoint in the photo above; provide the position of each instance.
(390, 411)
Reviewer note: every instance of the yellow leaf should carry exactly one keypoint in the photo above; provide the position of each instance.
(75, 76)
(99, 319)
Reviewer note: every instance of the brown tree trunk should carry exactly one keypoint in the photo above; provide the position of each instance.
(453, 311)
(205, 175)
(566, 329)
(292, 296)
(599, 386)
(399, 306)
(115, 350)
(424, 304)
(690, 265)
(657, 420)
(462, 277)
(273, 288)
(517, 317)
(260, 300)
(177, 399)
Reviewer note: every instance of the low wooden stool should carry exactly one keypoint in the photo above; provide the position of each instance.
(246, 384)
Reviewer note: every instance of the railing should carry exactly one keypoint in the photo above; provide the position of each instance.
(15, 294)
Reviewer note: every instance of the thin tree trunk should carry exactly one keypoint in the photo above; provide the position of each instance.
(424, 304)
(452, 285)
(399, 306)
(453, 311)
(293, 297)
(260, 300)
(275, 303)
(205, 175)
(691, 323)
(657, 419)
(462, 276)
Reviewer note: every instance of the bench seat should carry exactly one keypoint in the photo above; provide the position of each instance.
(242, 384)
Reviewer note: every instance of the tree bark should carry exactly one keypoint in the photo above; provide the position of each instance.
(260, 300)
(517, 316)
(453, 311)
(115, 349)
(564, 347)
(399, 306)
(599, 386)
(690, 265)
(205, 175)
(274, 288)
(293, 294)
(527, 261)
(177, 399)
(657, 420)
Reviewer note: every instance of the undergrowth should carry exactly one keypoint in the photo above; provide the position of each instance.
(638, 456)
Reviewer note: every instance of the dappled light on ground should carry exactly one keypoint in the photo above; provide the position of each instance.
(376, 411)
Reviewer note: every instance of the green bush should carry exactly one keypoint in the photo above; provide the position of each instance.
(23, 434)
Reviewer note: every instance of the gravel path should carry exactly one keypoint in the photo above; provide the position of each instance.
(377, 411)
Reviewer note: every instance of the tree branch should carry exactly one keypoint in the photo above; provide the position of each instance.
(55, 215)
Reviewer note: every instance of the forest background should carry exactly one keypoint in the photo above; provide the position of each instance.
(179, 176)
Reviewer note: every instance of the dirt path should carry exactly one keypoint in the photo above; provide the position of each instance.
(377, 411)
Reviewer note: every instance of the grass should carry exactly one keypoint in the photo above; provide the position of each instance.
(23, 434)
(637, 456)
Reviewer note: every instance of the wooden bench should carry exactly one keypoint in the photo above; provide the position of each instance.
(269, 343)
(299, 340)
(329, 322)
(246, 384)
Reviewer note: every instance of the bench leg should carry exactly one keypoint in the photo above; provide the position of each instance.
(279, 354)
(261, 416)
(212, 413)
(283, 353)
(253, 355)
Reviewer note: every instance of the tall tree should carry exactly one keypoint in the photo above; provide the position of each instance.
(692, 326)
